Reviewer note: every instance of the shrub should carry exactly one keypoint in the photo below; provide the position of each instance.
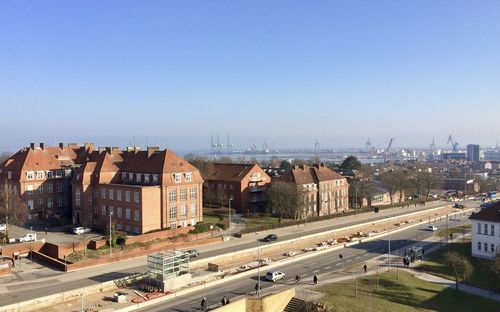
(200, 228)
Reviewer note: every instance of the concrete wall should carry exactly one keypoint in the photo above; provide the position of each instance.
(270, 303)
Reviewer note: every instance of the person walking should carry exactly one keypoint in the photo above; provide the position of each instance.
(297, 279)
(203, 304)
(257, 288)
(365, 268)
(223, 300)
(315, 280)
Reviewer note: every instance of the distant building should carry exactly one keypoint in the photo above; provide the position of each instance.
(380, 196)
(463, 185)
(323, 190)
(473, 152)
(454, 156)
(486, 232)
(244, 183)
(492, 155)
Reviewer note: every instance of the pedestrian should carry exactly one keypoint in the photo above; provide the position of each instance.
(365, 268)
(13, 263)
(315, 280)
(203, 303)
(257, 288)
(46, 231)
(223, 300)
(297, 279)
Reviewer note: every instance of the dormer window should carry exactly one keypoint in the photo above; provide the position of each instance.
(29, 175)
(50, 174)
(177, 177)
(9, 175)
(188, 176)
(146, 178)
(131, 176)
(138, 177)
(39, 174)
(124, 177)
(155, 178)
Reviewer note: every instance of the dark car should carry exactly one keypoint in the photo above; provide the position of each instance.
(458, 206)
(270, 238)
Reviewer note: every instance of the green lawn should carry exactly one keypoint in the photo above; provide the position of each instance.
(435, 264)
(251, 223)
(457, 231)
(211, 219)
(407, 294)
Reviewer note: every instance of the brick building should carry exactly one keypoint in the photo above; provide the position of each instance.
(143, 190)
(244, 183)
(323, 190)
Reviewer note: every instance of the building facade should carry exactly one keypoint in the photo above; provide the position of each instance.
(243, 184)
(323, 190)
(486, 232)
(473, 152)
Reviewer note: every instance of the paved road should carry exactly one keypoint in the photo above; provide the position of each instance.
(324, 266)
(43, 281)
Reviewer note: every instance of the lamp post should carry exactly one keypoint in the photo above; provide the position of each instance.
(81, 303)
(110, 236)
(389, 231)
(229, 214)
(258, 264)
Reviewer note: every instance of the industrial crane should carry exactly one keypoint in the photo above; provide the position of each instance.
(388, 149)
(453, 143)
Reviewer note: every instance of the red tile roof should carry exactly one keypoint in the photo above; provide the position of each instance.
(491, 214)
(231, 172)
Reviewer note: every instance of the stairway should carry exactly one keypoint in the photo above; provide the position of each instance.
(295, 305)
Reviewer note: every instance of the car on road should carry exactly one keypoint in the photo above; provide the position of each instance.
(270, 238)
(274, 276)
(30, 237)
(432, 228)
(80, 230)
(458, 206)
(3, 227)
(193, 253)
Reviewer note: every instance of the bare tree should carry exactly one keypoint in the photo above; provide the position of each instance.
(461, 266)
(495, 274)
(396, 182)
(284, 200)
(4, 156)
(12, 207)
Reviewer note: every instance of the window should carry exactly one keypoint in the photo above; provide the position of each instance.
(49, 188)
(103, 193)
(136, 230)
(39, 174)
(50, 202)
(137, 215)
(492, 230)
(9, 175)
(59, 173)
(188, 176)
(111, 194)
(183, 210)
(127, 213)
(59, 187)
(124, 177)
(59, 201)
(138, 177)
(172, 195)
(29, 189)
(77, 197)
(479, 246)
(192, 192)
(146, 178)
(50, 174)
(492, 248)
(127, 196)
(485, 247)
(192, 209)
(29, 175)
(131, 176)
(119, 212)
(485, 229)
(137, 199)
(40, 189)
(103, 210)
(173, 212)
(479, 229)
(155, 178)
(119, 195)
(31, 205)
(183, 194)
(177, 178)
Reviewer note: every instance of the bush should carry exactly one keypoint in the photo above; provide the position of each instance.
(200, 228)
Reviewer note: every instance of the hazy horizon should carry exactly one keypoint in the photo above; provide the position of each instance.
(285, 73)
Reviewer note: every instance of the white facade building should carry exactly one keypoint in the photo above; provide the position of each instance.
(486, 232)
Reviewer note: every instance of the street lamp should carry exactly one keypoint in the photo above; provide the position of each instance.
(389, 231)
(229, 214)
(110, 235)
(258, 264)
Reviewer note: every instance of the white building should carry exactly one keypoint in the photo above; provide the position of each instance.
(486, 232)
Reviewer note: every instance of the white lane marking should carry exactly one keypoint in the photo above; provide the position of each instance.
(338, 264)
(348, 260)
(357, 257)
(316, 271)
(303, 275)
(327, 267)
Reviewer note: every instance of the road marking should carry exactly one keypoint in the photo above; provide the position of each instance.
(303, 275)
(357, 257)
(348, 260)
(338, 264)
(316, 271)
(327, 267)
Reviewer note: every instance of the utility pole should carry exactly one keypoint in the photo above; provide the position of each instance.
(258, 264)
(81, 304)
(376, 287)
(229, 215)
(389, 231)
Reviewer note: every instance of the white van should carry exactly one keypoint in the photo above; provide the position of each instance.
(432, 228)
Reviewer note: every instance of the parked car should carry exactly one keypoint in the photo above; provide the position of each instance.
(270, 238)
(193, 253)
(80, 230)
(3, 227)
(30, 237)
(432, 228)
(458, 206)
(274, 276)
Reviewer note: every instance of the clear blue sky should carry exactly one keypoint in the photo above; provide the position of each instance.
(282, 72)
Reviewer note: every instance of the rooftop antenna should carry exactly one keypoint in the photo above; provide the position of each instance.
(316, 147)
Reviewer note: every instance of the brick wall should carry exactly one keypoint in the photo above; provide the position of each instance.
(8, 250)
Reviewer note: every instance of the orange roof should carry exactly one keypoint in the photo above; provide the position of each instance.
(230, 172)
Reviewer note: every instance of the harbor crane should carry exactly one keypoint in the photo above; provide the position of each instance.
(453, 143)
(386, 153)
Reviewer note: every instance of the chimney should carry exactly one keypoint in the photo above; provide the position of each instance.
(61, 146)
(108, 149)
(152, 149)
(101, 149)
(32, 146)
(88, 145)
(42, 146)
(130, 149)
